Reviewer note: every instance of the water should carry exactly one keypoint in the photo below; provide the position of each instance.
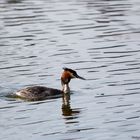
(99, 39)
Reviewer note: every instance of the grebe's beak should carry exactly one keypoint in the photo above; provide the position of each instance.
(79, 77)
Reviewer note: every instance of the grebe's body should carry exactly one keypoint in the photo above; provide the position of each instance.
(38, 93)
(41, 92)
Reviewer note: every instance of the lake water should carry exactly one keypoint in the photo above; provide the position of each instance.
(100, 39)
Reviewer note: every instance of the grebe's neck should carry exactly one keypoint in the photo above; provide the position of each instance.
(65, 79)
(65, 88)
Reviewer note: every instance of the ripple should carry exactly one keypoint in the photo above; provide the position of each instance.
(107, 47)
(6, 107)
(18, 66)
(34, 123)
(79, 130)
(57, 54)
(120, 106)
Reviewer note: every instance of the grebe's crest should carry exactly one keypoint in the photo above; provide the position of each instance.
(72, 73)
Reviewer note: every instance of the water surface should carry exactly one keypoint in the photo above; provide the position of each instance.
(99, 39)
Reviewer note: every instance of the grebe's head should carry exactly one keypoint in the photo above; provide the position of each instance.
(66, 76)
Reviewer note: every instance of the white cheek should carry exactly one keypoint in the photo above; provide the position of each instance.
(73, 76)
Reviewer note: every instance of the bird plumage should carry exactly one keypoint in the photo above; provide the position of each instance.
(42, 92)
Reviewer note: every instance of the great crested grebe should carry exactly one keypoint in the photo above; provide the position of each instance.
(41, 92)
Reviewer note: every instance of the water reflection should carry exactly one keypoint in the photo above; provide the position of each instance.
(67, 111)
